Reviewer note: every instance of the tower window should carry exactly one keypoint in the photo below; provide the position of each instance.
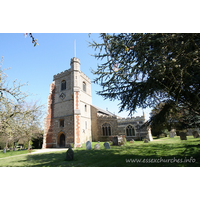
(85, 108)
(62, 123)
(84, 86)
(63, 85)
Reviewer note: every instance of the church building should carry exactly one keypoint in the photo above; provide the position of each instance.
(72, 119)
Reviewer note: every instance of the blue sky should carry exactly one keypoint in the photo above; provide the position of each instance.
(37, 65)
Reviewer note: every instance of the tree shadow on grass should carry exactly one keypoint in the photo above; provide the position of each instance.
(111, 158)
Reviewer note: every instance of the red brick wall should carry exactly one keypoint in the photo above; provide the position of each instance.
(49, 118)
(77, 129)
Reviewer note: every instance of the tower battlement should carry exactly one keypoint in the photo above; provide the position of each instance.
(61, 74)
(85, 77)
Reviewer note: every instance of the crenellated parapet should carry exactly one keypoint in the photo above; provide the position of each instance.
(132, 119)
(61, 74)
(85, 77)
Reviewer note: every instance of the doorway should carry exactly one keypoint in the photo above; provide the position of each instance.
(62, 140)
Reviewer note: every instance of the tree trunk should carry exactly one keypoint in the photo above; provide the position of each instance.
(6, 145)
(29, 144)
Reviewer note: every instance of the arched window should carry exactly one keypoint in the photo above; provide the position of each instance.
(130, 131)
(106, 129)
(63, 85)
(84, 86)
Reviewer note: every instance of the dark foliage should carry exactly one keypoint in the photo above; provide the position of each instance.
(143, 70)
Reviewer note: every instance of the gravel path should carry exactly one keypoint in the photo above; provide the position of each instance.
(49, 150)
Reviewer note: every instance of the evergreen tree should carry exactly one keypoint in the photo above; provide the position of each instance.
(143, 70)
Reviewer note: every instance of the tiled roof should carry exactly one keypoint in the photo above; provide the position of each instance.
(100, 110)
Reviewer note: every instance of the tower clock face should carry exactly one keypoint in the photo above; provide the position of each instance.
(62, 96)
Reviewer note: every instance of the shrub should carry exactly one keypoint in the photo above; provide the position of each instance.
(26, 145)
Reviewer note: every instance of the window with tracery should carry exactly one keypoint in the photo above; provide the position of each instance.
(130, 131)
(106, 129)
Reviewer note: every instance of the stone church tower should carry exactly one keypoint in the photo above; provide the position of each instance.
(68, 119)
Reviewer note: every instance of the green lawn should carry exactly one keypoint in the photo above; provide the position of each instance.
(13, 153)
(164, 152)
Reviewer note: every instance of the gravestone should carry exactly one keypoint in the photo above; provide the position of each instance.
(97, 146)
(195, 134)
(106, 145)
(4, 150)
(183, 136)
(70, 154)
(69, 145)
(146, 140)
(189, 132)
(88, 145)
(171, 133)
(13, 148)
(120, 139)
(115, 140)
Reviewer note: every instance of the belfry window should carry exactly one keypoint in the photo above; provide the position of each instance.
(84, 86)
(130, 131)
(106, 129)
(63, 85)
(61, 122)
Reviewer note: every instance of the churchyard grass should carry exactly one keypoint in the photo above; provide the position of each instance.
(162, 152)
(13, 153)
